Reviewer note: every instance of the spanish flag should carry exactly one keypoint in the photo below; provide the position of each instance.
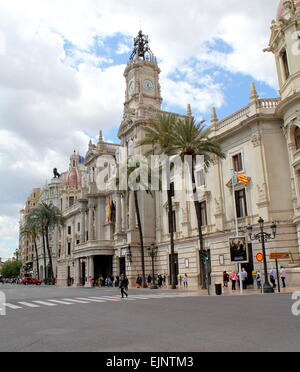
(241, 178)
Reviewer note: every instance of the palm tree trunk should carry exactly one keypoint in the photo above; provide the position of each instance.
(199, 222)
(37, 258)
(141, 236)
(44, 253)
(49, 252)
(171, 227)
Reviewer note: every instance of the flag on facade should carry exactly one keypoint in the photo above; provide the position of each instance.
(235, 180)
(243, 179)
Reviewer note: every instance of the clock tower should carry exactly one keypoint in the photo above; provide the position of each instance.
(143, 94)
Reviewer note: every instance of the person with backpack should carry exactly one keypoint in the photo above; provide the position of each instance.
(226, 279)
(124, 285)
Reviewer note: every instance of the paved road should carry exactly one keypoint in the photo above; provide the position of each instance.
(52, 319)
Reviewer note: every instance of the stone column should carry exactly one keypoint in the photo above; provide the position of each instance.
(132, 218)
(118, 214)
(90, 271)
(123, 207)
(77, 272)
(91, 221)
(82, 226)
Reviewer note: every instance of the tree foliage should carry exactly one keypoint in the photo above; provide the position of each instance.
(10, 269)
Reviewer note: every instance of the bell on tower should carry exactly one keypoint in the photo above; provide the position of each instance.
(142, 49)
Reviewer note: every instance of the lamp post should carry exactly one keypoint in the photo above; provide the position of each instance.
(152, 251)
(263, 238)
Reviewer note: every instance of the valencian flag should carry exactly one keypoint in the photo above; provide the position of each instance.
(240, 178)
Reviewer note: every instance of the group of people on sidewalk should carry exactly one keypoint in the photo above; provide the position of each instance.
(235, 278)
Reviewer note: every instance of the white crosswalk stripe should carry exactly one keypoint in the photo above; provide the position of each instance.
(28, 304)
(128, 298)
(13, 307)
(76, 301)
(90, 299)
(61, 302)
(107, 299)
(44, 303)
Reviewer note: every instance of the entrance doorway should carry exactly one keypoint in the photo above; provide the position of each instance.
(176, 268)
(249, 267)
(122, 263)
(103, 267)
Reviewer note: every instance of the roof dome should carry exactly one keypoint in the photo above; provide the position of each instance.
(280, 11)
(73, 179)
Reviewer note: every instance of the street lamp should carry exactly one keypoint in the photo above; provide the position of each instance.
(152, 251)
(263, 238)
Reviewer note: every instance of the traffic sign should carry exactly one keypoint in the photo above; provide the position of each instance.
(279, 256)
(259, 257)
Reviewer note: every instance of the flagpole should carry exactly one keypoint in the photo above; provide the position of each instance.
(236, 225)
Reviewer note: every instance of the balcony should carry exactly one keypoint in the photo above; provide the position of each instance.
(94, 248)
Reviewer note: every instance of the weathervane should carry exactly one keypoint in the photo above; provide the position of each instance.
(141, 48)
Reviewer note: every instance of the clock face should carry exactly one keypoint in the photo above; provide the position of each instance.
(148, 85)
(131, 87)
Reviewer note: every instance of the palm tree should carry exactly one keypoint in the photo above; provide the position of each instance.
(129, 172)
(192, 139)
(159, 136)
(31, 231)
(48, 216)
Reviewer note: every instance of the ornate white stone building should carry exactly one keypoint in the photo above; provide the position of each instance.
(261, 140)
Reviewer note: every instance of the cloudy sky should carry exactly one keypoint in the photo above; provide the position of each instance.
(61, 75)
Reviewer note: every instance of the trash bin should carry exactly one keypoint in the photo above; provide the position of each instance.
(218, 289)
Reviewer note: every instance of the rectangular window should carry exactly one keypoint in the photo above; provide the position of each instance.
(71, 201)
(241, 203)
(203, 213)
(78, 227)
(285, 65)
(69, 249)
(201, 178)
(237, 162)
(69, 230)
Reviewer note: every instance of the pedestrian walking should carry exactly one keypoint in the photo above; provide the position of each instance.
(283, 276)
(273, 277)
(124, 285)
(179, 279)
(244, 275)
(185, 281)
(165, 280)
(233, 278)
(149, 280)
(258, 280)
(226, 279)
(160, 281)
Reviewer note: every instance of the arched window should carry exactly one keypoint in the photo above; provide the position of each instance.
(297, 138)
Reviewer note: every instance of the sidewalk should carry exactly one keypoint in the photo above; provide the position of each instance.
(251, 291)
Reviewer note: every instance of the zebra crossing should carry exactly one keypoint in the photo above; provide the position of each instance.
(33, 304)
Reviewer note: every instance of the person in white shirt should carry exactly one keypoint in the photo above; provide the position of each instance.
(283, 276)
(273, 277)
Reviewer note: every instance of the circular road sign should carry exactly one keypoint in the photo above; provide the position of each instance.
(259, 257)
